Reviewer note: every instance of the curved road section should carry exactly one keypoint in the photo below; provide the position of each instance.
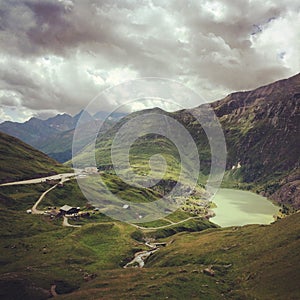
(34, 209)
(63, 177)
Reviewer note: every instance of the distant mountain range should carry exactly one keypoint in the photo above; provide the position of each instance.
(54, 136)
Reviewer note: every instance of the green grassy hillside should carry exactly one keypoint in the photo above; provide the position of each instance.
(20, 161)
(250, 262)
(37, 252)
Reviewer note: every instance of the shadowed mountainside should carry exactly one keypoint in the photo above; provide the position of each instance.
(262, 130)
(20, 161)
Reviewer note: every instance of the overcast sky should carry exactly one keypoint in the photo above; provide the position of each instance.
(55, 56)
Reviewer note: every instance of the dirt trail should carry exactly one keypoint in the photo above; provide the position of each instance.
(67, 224)
(165, 226)
(34, 209)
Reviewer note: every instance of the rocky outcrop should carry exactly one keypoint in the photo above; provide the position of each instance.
(289, 191)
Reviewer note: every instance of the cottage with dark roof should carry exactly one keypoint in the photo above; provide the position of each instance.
(69, 210)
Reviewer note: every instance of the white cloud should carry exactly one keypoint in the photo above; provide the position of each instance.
(279, 41)
(4, 116)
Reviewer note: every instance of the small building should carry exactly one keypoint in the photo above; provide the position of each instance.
(69, 210)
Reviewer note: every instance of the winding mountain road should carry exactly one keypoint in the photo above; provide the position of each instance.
(61, 177)
(34, 209)
(165, 226)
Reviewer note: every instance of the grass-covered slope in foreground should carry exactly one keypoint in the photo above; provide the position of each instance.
(250, 262)
(20, 161)
(37, 252)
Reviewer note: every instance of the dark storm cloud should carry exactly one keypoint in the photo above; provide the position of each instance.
(57, 55)
(44, 27)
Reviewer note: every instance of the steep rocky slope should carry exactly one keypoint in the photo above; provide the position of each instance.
(262, 132)
(262, 129)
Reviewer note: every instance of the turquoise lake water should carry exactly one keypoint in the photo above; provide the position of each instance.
(237, 208)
